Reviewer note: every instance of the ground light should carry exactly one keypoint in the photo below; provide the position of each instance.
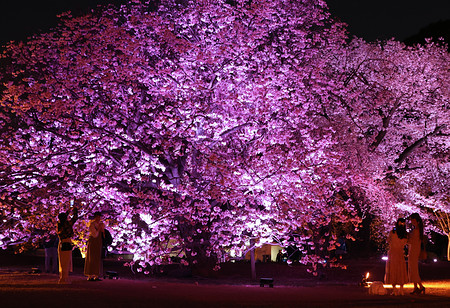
(365, 280)
(431, 286)
(434, 287)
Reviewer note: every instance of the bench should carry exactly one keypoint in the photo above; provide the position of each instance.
(111, 275)
(264, 281)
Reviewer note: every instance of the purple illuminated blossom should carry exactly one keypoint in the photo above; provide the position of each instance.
(198, 127)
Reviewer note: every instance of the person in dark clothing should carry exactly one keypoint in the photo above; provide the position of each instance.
(51, 253)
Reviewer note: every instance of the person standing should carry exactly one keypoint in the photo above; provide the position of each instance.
(396, 273)
(65, 233)
(341, 249)
(93, 263)
(415, 242)
(51, 253)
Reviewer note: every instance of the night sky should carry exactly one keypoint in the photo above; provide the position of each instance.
(369, 19)
(20, 19)
(384, 19)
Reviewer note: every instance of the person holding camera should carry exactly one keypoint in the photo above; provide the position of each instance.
(65, 233)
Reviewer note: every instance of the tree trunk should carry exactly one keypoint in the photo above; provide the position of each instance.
(448, 247)
(252, 260)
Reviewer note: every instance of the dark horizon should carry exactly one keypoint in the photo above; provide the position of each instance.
(383, 19)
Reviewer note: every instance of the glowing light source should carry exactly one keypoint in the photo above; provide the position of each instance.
(365, 280)
(384, 258)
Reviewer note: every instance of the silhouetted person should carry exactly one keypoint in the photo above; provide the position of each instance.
(341, 246)
(415, 241)
(51, 253)
(65, 233)
(279, 256)
(106, 242)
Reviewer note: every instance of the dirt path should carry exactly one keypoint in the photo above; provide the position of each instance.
(294, 287)
(21, 289)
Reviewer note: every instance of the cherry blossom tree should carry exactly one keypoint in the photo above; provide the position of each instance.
(191, 125)
(200, 127)
(443, 221)
(394, 112)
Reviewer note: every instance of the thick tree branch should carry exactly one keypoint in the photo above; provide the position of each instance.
(386, 122)
(401, 158)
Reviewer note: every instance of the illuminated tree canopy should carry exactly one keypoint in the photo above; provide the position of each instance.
(197, 126)
(396, 103)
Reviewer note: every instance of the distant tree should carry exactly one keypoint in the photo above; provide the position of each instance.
(443, 221)
(393, 115)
